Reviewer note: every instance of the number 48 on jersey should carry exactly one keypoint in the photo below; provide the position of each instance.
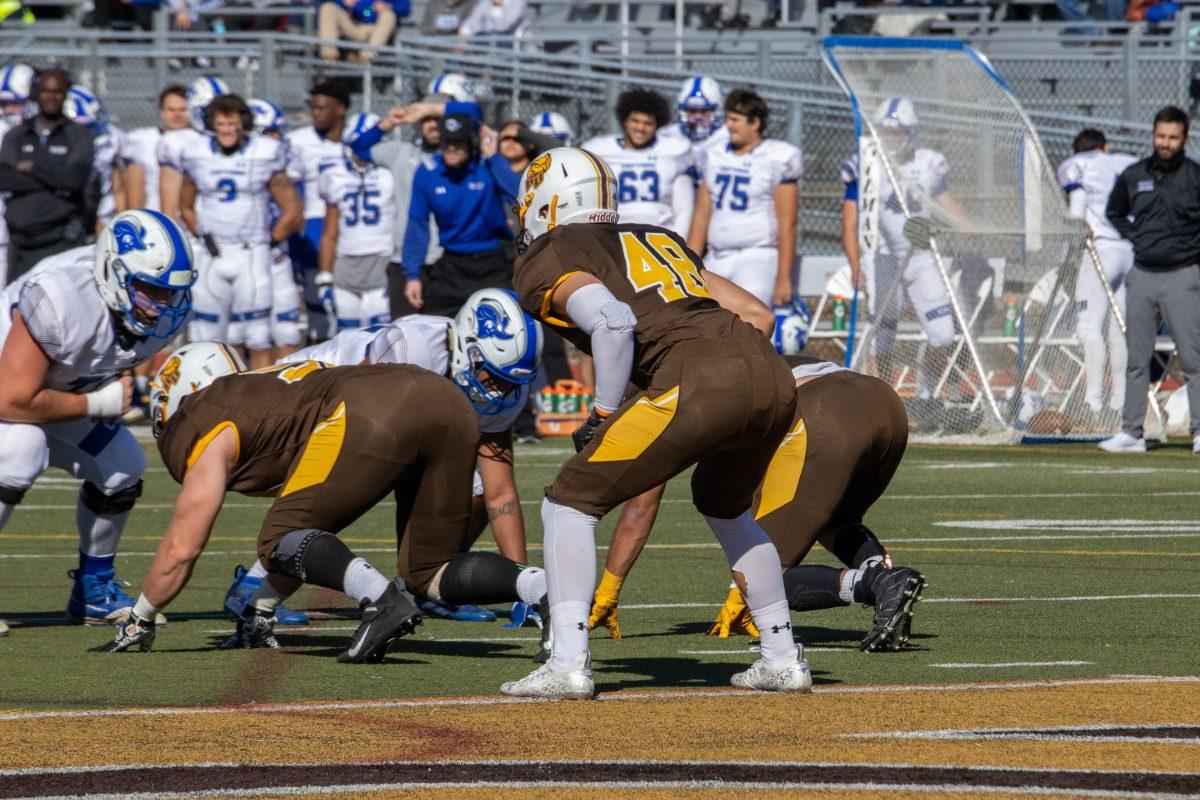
(654, 260)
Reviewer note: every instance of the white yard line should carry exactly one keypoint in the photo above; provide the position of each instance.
(668, 694)
(1007, 664)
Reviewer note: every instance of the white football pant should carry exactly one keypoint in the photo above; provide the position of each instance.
(753, 269)
(232, 296)
(285, 301)
(923, 285)
(360, 309)
(1092, 312)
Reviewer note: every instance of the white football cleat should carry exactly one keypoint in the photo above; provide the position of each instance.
(549, 683)
(793, 677)
(1124, 443)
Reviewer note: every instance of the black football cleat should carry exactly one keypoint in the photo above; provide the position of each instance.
(135, 634)
(253, 632)
(895, 591)
(543, 653)
(391, 616)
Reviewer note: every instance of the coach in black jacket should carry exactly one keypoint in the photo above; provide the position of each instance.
(47, 177)
(1155, 204)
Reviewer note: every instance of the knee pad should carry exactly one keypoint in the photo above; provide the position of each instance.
(854, 545)
(98, 502)
(12, 495)
(311, 556)
(475, 577)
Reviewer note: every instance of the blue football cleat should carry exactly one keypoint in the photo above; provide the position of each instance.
(463, 613)
(243, 588)
(97, 599)
(523, 613)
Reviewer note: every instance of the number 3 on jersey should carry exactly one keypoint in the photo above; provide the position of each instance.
(655, 260)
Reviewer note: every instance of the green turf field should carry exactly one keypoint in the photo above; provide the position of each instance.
(1042, 562)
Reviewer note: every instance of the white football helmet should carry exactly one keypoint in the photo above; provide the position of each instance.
(200, 93)
(186, 371)
(16, 88)
(701, 107)
(897, 116)
(83, 107)
(494, 335)
(563, 186)
(791, 327)
(268, 117)
(552, 123)
(355, 127)
(458, 86)
(144, 270)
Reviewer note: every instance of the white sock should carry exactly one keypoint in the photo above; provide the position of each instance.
(99, 534)
(846, 583)
(364, 582)
(5, 512)
(257, 570)
(145, 609)
(531, 585)
(570, 555)
(749, 551)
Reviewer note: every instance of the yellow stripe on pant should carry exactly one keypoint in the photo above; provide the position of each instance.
(631, 433)
(320, 454)
(783, 474)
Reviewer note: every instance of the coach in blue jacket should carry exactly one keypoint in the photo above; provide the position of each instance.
(459, 188)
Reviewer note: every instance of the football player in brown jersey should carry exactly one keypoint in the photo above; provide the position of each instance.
(850, 435)
(329, 443)
(713, 393)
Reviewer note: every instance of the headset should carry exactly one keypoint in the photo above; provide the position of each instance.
(243, 110)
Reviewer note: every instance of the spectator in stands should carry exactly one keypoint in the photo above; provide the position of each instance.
(445, 17)
(1081, 10)
(369, 21)
(492, 18)
(459, 189)
(1153, 204)
(403, 155)
(47, 175)
(124, 13)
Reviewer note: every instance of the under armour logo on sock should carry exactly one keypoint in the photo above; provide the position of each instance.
(583, 626)
(787, 626)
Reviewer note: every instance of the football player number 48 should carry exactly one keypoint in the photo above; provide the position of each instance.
(654, 260)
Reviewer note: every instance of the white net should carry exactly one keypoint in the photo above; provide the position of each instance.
(970, 258)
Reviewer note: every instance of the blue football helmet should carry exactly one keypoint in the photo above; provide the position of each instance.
(497, 349)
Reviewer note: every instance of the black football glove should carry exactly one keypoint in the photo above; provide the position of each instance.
(918, 231)
(210, 244)
(584, 433)
(134, 634)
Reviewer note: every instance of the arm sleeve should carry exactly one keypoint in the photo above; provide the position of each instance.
(416, 233)
(610, 324)
(365, 141)
(42, 319)
(507, 181)
(793, 166)
(1070, 176)
(1077, 203)
(1118, 208)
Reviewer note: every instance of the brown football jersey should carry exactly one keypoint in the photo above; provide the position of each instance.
(273, 413)
(646, 267)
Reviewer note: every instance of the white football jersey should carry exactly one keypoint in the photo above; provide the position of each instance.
(65, 315)
(109, 141)
(923, 180)
(366, 207)
(171, 145)
(420, 340)
(313, 155)
(718, 138)
(742, 189)
(646, 177)
(4, 128)
(232, 199)
(140, 147)
(1095, 172)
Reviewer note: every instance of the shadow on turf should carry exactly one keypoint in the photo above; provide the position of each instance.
(808, 635)
(329, 646)
(677, 672)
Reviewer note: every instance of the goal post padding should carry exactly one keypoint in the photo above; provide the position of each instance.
(1005, 254)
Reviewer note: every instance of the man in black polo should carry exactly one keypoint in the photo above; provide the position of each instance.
(48, 180)
(1155, 204)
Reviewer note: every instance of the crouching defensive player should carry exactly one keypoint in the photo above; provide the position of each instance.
(329, 444)
(845, 444)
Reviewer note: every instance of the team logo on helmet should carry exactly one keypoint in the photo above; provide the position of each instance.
(537, 171)
(169, 375)
(129, 236)
(490, 324)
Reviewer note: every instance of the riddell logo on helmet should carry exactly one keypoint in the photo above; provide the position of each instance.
(602, 216)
